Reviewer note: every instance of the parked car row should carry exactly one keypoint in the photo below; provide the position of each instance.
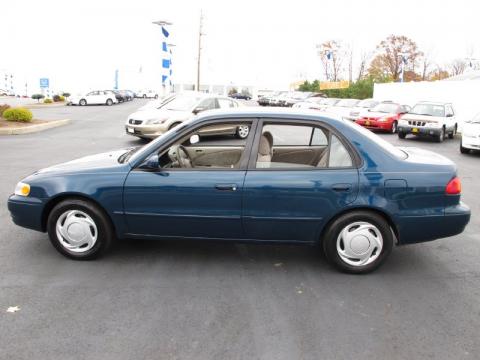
(287, 98)
(101, 97)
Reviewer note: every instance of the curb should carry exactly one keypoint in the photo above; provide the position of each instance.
(42, 106)
(34, 128)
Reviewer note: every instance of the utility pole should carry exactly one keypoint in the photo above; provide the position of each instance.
(200, 34)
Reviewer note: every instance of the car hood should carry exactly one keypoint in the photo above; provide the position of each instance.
(107, 161)
(374, 114)
(415, 117)
(472, 129)
(160, 114)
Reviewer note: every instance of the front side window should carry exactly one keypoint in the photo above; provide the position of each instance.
(215, 146)
(225, 103)
(300, 146)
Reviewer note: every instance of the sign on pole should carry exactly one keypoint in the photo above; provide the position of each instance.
(44, 83)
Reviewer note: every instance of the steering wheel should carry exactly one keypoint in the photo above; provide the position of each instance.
(183, 158)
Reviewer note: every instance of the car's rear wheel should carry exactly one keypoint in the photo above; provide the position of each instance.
(79, 230)
(440, 137)
(394, 127)
(358, 242)
(243, 131)
(83, 102)
(109, 102)
(401, 135)
(452, 134)
(156, 96)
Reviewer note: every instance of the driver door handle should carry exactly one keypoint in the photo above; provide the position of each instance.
(226, 187)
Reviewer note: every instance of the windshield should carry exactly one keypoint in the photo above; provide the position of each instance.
(385, 145)
(330, 102)
(475, 120)
(182, 103)
(347, 102)
(386, 108)
(428, 110)
(367, 103)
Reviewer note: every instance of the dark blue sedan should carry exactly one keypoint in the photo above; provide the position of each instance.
(296, 178)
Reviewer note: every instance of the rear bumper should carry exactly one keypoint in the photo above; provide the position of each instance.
(425, 131)
(415, 229)
(26, 212)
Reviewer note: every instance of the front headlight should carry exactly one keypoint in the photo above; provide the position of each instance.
(156, 121)
(22, 189)
(403, 122)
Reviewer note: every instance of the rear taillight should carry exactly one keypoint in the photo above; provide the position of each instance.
(454, 187)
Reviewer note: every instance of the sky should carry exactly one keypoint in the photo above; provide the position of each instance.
(78, 45)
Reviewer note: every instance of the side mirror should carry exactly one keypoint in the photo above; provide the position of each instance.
(194, 139)
(151, 163)
(198, 109)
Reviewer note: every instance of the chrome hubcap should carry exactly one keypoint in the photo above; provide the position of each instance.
(243, 131)
(359, 243)
(76, 231)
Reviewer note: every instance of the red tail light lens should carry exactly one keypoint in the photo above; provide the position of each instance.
(454, 187)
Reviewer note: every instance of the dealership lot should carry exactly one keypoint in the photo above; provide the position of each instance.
(225, 301)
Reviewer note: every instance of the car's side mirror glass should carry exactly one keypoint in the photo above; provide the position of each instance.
(151, 163)
(198, 109)
(194, 139)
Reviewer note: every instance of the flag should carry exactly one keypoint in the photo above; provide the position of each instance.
(164, 46)
(165, 32)
(164, 78)
(166, 63)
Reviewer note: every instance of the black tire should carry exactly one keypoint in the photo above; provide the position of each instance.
(144, 96)
(464, 150)
(401, 135)
(333, 231)
(394, 127)
(109, 102)
(452, 134)
(105, 233)
(440, 137)
(156, 96)
(82, 102)
(174, 125)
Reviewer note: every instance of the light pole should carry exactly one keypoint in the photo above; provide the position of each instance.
(200, 34)
(403, 59)
(172, 85)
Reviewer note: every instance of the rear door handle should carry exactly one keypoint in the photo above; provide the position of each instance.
(342, 187)
(226, 187)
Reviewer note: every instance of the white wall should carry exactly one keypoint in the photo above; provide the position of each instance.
(464, 95)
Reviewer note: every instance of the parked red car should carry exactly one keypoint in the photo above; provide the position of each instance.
(383, 117)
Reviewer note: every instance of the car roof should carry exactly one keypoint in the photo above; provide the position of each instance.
(434, 102)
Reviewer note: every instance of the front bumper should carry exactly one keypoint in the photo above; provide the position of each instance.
(146, 131)
(416, 229)
(375, 125)
(471, 142)
(417, 130)
(27, 212)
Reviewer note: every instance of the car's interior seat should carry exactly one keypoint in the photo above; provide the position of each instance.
(265, 148)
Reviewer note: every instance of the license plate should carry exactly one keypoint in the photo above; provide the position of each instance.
(415, 130)
(367, 123)
(130, 130)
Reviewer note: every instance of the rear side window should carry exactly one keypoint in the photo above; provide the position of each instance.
(339, 156)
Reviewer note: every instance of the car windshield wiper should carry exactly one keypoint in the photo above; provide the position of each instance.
(125, 156)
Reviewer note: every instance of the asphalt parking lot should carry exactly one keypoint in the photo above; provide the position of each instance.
(170, 300)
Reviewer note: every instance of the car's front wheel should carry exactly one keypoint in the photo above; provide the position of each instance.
(79, 230)
(463, 150)
(109, 102)
(394, 127)
(83, 102)
(358, 242)
(243, 131)
(401, 135)
(440, 137)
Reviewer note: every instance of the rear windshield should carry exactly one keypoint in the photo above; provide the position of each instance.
(385, 145)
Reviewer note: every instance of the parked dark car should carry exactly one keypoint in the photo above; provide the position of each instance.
(240, 96)
(296, 178)
(118, 95)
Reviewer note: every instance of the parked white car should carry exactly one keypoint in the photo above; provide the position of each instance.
(435, 119)
(343, 107)
(149, 124)
(360, 109)
(316, 103)
(470, 135)
(146, 94)
(100, 97)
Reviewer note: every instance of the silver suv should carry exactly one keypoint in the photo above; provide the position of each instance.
(435, 119)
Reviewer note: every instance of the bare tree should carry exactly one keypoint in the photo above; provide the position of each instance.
(362, 68)
(332, 55)
(457, 67)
